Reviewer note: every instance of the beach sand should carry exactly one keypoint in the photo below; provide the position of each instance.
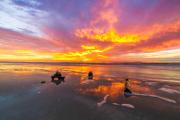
(23, 97)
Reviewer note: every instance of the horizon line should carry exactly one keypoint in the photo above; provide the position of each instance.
(91, 62)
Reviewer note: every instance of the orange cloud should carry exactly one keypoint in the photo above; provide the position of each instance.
(88, 47)
(150, 39)
(162, 46)
(90, 53)
(155, 29)
(110, 36)
(27, 55)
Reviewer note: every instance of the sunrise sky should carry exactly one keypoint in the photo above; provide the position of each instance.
(90, 30)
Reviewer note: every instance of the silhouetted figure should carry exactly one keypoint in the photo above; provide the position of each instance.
(90, 75)
(58, 76)
(127, 91)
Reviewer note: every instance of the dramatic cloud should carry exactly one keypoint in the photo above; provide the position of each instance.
(90, 30)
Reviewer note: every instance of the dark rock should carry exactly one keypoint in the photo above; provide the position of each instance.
(42, 82)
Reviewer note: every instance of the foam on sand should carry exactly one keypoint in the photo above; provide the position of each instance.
(124, 105)
(155, 96)
(117, 104)
(128, 106)
(169, 90)
(99, 104)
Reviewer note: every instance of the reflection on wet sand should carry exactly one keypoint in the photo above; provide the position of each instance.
(114, 89)
(57, 82)
(23, 83)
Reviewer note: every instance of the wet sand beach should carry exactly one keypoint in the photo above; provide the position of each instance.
(24, 97)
